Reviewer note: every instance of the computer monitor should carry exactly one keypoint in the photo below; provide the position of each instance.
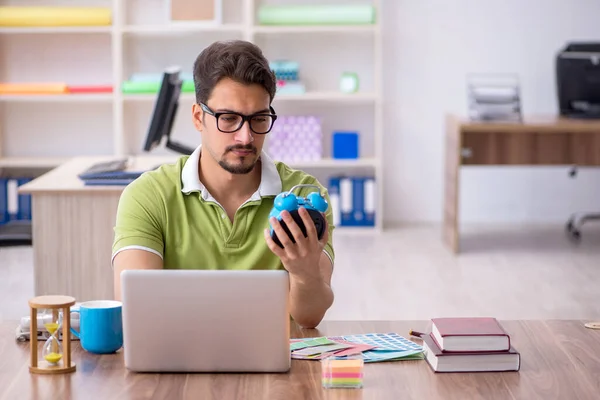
(165, 110)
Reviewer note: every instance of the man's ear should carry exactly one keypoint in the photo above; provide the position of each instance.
(197, 117)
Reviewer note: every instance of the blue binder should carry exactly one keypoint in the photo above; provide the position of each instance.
(21, 203)
(355, 199)
(3, 201)
(358, 201)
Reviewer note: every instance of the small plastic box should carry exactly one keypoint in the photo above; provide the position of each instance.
(342, 372)
(345, 145)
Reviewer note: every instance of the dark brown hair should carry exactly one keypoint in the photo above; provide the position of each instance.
(239, 60)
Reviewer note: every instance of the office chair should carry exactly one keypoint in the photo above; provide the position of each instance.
(577, 220)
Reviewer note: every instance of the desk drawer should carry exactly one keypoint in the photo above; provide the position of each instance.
(530, 148)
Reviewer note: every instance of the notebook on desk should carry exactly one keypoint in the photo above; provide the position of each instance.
(112, 172)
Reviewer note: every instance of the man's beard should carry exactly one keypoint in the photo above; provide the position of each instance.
(241, 168)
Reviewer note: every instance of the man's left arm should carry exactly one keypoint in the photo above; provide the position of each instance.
(310, 300)
(309, 262)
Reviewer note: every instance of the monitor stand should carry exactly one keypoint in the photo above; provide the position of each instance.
(179, 148)
(16, 233)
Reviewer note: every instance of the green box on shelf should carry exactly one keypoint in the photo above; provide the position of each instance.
(145, 87)
(343, 14)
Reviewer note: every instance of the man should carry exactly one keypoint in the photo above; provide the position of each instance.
(210, 210)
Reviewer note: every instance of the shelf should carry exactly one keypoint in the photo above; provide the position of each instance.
(328, 97)
(308, 96)
(342, 29)
(356, 230)
(324, 163)
(56, 29)
(151, 97)
(31, 162)
(165, 29)
(58, 98)
(334, 163)
(141, 40)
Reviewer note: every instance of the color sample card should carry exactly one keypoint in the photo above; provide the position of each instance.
(310, 351)
(354, 348)
(302, 343)
(384, 341)
(387, 355)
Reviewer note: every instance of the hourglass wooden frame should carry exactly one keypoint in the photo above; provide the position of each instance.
(56, 304)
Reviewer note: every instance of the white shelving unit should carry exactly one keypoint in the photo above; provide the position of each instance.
(45, 130)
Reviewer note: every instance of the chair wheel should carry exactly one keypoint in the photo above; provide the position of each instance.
(573, 232)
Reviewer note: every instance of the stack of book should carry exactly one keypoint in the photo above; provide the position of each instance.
(477, 344)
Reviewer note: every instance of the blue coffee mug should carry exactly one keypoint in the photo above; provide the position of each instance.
(100, 326)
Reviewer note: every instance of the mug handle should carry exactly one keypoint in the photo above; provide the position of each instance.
(73, 331)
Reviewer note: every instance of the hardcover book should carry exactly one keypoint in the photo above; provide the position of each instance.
(482, 361)
(469, 334)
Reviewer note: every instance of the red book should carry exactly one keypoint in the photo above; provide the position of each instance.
(479, 361)
(469, 334)
(90, 89)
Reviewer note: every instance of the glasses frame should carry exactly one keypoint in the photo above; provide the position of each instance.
(244, 118)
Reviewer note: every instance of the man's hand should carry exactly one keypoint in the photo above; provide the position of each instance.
(309, 269)
(300, 259)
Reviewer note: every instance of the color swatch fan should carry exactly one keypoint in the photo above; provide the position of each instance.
(373, 347)
(387, 347)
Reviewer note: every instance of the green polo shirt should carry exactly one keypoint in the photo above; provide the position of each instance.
(169, 212)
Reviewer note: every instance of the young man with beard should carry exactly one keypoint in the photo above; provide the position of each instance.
(210, 210)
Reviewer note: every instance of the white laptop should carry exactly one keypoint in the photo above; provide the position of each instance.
(206, 320)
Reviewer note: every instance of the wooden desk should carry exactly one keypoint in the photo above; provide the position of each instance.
(559, 360)
(73, 229)
(535, 142)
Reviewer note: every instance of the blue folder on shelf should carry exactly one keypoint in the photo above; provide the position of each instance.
(15, 212)
(353, 200)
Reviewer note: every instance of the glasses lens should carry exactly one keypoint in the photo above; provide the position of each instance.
(229, 122)
(261, 123)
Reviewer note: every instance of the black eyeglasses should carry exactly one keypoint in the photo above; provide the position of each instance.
(229, 121)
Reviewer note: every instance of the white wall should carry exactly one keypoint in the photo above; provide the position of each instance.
(430, 45)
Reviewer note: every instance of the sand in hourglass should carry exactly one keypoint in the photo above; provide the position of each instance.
(54, 354)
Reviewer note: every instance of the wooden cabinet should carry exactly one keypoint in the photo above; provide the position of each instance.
(530, 148)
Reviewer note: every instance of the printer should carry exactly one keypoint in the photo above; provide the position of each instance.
(578, 80)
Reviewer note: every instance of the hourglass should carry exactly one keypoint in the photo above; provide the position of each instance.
(56, 315)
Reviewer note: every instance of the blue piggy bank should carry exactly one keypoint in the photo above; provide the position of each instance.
(315, 203)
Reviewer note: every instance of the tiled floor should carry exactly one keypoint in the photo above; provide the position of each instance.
(407, 273)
